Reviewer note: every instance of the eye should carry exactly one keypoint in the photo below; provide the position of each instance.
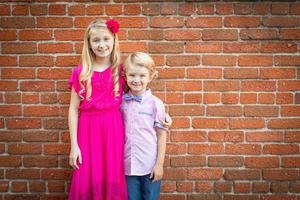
(143, 75)
(95, 40)
(106, 39)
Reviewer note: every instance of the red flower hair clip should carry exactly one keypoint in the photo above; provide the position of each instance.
(112, 25)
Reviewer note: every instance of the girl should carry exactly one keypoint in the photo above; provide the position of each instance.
(144, 117)
(95, 122)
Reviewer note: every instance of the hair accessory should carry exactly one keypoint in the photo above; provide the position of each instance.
(112, 25)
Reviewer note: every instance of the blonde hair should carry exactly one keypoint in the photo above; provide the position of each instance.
(88, 57)
(142, 60)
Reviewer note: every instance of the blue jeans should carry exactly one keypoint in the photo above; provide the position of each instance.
(142, 188)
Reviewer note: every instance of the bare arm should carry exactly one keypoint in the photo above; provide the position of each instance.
(73, 123)
(157, 172)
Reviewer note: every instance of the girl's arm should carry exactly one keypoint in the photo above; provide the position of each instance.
(157, 172)
(73, 123)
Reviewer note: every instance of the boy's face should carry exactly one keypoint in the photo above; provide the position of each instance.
(137, 79)
(101, 42)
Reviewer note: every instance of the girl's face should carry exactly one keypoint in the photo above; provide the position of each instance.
(137, 79)
(101, 42)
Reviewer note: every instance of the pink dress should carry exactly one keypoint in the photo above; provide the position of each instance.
(100, 137)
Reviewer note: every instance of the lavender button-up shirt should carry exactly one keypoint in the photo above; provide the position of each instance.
(140, 120)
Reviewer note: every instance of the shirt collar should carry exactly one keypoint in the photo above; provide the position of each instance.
(144, 96)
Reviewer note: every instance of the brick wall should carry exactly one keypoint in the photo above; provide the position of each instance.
(228, 74)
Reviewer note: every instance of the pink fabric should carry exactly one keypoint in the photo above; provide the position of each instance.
(101, 140)
(140, 120)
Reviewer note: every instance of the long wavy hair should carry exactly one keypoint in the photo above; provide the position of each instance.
(88, 56)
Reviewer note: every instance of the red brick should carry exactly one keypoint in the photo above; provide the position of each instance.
(54, 22)
(292, 162)
(205, 149)
(284, 123)
(284, 98)
(183, 85)
(292, 136)
(224, 8)
(134, 22)
(19, 123)
(211, 98)
(290, 34)
(168, 9)
(225, 136)
(182, 35)
(8, 35)
(242, 22)
(132, 9)
(20, 148)
(8, 60)
(264, 136)
(245, 174)
(289, 85)
(223, 111)
(67, 60)
(286, 60)
(10, 110)
(188, 136)
(51, 73)
(221, 86)
(150, 9)
(57, 9)
(243, 8)
(37, 85)
(40, 136)
(261, 8)
(49, 98)
(55, 48)
(215, 123)
(230, 98)
(204, 22)
(184, 186)
(41, 111)
(280, 174)
(113, 10)
(260, 187)
(258, 85)
(37, 161)
(192, 98)
(55, 174)
(36, 61)
(266, 98)
(11, 98)
(23, 174)
(248, 98)
(17, 73)
(278, 47)
(203, 47)
(247, 123)
(76, 10)
(258, 34)
(242, 187)
(261, 111)
(176, 149)
(281, 22)
(167, 22)
(10, 161)
(38, 9)
(55, 124)
(19, 187)
(186, 110)
(175, 174)
(223, 186)
(37, 186)
(240, 73)
(168, 187)
(74, 35)
(225, 161)
(249, 149)
(206, 9)
(17, 22)
(204, 73)
(56, 186)
(261, 162)
(218, 60)
(255, 60)
(205, 174)
(203, 187)
(186, 9)
(165, 47)
(245, 47)
(145, 34)
(32, 35)
(217, 34)
(280, 149)
(183, 60)
(170, 73)
(290, 111)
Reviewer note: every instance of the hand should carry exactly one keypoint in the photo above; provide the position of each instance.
(75, 155)
(157, 172)
(168, 121)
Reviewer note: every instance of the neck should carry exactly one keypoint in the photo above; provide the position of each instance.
(101, 62)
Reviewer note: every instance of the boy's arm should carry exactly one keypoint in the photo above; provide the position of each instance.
(157, 172)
